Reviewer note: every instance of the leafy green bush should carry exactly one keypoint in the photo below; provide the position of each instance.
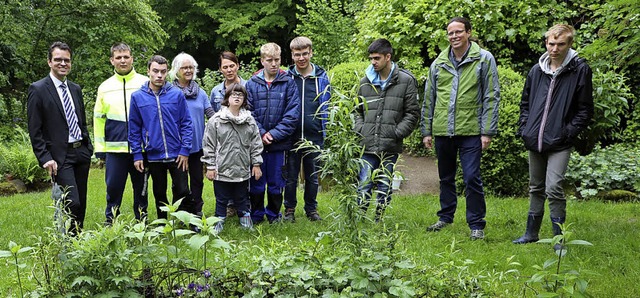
(18, 161)
(345, 77)
(616, 167)
(611, 96)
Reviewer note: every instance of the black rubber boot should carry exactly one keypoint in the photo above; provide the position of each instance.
(533, 228)
(557, 231)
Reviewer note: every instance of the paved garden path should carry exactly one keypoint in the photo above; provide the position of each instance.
(420, 174)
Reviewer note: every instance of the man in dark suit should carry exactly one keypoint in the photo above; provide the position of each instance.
(58, 131)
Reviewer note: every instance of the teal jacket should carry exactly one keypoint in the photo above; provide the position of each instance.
(463, 100)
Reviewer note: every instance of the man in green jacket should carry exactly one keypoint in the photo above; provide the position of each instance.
(460, 114)
(110, 126)
(388, 114)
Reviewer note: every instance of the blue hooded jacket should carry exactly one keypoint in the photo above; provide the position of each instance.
(315, 93)
(159, 125)
(275, 107)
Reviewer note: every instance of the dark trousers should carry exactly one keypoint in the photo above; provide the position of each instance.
(469, 148)
(308, 159)
(118, 167)
(196, 181)
(179, 187)
(273, 181)
(72, 175)
(236, 192)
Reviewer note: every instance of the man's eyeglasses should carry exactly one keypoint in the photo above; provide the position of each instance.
(60, 60)
(455, 33)
(298, 55)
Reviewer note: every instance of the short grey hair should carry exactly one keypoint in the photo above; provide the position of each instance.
(177, 63)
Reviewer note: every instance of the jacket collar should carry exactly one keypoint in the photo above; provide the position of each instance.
(473, 54)
(126, 77)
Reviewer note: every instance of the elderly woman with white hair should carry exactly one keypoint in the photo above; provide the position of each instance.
(183, 71)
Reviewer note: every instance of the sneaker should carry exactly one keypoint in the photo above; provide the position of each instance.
(477, 234)
(437, 226)
(289, 215)
(218, 227)
(231, 211)
(314, 216)
(246, 223)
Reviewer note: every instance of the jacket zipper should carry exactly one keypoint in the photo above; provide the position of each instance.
(126, 114)
(545, 113)
(164, 138)
(302, 114)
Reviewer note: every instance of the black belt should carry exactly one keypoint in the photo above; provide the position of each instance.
(75, 145)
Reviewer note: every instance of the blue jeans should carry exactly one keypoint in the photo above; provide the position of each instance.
(469, 148)
(118, 167)
(382, 179)
(310, 167)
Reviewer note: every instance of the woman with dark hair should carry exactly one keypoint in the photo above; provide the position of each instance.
(183, 71)
(229, 68)
(232, 155)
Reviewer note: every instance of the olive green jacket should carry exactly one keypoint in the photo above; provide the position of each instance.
(387, 116)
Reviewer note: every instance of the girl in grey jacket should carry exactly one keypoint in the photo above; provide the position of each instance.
(232, 148)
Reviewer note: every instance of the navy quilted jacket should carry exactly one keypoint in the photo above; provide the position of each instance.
(275, 108)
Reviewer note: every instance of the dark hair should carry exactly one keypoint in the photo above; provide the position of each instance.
(467, 24)
(236, 88)
(58, 45)
(380, 46)
(229, 56)
(157, 59)
(120, 46)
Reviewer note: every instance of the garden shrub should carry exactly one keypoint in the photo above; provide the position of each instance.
(345, 77)
(17, 160)
(615, 167)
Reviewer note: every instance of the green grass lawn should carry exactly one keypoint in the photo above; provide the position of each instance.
(613, 229)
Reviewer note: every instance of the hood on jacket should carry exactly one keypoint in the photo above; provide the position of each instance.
(225, 115)
(374, 77)
(545, 62)
(279, 76)
(318, 71)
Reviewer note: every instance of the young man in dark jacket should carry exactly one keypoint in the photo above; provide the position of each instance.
(274, 101)
(313, 87)
(557, 104)
(160, 124)
(390, 114)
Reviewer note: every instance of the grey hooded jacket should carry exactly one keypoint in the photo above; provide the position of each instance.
(231, 145)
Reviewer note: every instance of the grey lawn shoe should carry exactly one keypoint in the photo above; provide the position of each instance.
(477, 234)
(314, 216)
(437, 226)
(289, 215)
(218, 226)
(246, 223)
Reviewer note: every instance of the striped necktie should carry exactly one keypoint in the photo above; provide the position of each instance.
(70, 113)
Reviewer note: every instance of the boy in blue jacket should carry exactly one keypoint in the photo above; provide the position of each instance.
(274, 102)
(159, 123)
(313, 86)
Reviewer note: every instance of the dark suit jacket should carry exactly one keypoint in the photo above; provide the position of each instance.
(48, 127)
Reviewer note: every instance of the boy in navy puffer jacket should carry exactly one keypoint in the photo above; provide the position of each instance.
(273, 99)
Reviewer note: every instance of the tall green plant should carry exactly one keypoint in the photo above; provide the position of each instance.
(17, 160)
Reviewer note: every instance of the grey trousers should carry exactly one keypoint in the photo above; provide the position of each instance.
(546, 176)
